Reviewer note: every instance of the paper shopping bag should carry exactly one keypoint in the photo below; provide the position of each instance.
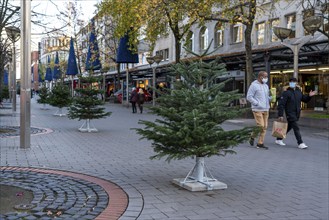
(279, 129)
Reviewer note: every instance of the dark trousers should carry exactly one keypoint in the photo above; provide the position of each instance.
(293, 125)
(133, 104)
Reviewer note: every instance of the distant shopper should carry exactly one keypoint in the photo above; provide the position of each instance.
(290, 103)
(259, 97)
(133, 99)
(140, 100)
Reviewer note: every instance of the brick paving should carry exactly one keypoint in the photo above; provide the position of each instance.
(281, 183)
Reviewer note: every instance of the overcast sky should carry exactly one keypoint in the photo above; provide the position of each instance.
(48, 7)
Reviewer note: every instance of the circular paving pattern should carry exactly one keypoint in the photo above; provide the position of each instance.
(64, 195)
(13, 131)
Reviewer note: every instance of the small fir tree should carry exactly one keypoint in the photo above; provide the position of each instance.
(43, 96)
(191, 115)
(86, 104)
(60, 97)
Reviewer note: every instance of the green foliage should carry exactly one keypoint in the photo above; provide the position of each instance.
(191, 114)
(5, 93)
(86, 104)
(60, 96)
(43, 95)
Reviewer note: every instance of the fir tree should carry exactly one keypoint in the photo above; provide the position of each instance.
(86, 105)
(191, 115)
(60, 97)
(43, 95)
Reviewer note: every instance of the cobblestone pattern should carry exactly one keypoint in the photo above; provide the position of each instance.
(70, 197)
(14, 131)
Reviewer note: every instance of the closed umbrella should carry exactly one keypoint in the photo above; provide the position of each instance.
(57, 73)
(93, 62)
(5, 78)
(49, 74)
(125, 55)
(72, 67)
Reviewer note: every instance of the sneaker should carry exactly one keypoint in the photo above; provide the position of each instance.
(280, 142)
(262, 146)
(302, 146)
(251, 141)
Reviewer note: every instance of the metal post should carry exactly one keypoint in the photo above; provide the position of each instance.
(153, 84)
(295, 47)
(25, 103)
(13, 86)
(127, 89)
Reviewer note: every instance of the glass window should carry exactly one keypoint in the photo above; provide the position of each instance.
(260, 33)
(204, 38)
(219, 34)
(190, 41)
(274, 23)
(291, 24)
(237, 33)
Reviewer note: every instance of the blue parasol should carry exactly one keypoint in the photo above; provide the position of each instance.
(40, 72)
(126, 56)
(49, 74)
(93, 62)
(5, 78)
(72, 67)
(57, 73)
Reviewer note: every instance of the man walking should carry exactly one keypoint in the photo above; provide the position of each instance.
(259, 96)
(290, 102)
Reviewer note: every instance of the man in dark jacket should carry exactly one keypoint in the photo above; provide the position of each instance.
(290, 102)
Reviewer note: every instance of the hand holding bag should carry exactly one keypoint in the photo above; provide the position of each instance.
(279, 129)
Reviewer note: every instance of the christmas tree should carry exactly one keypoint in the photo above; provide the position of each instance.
(43, 96)
(60, 97)
(86, 105)
(191, 115)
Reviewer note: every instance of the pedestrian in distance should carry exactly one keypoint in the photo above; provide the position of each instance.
(290, 103)
(133, 99)
(259, 96)
(140, 100)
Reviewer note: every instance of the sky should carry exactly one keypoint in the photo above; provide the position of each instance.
(47, 7)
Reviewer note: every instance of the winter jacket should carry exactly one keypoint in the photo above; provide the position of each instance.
(133, 96)
(259, 96)
(290, 102)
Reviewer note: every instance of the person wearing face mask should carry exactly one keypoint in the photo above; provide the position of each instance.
(290, 103)
(259, 96)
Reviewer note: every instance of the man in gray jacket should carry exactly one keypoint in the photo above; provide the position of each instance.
(259, 97)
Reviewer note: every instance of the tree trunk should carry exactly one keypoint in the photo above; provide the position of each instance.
(249, 68)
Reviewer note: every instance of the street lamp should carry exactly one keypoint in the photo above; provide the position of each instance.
(283, 33)
(157, 59)
(13, 34)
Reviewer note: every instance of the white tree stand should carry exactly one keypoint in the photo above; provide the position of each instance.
(44, 107)
(198, 180)
(87, 126)
(59, 112)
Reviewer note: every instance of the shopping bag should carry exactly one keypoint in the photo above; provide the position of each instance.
(279, 129)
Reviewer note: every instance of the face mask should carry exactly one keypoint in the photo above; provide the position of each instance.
(264, 80)
(292, 85)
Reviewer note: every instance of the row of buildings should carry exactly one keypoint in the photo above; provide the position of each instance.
(228, 43)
